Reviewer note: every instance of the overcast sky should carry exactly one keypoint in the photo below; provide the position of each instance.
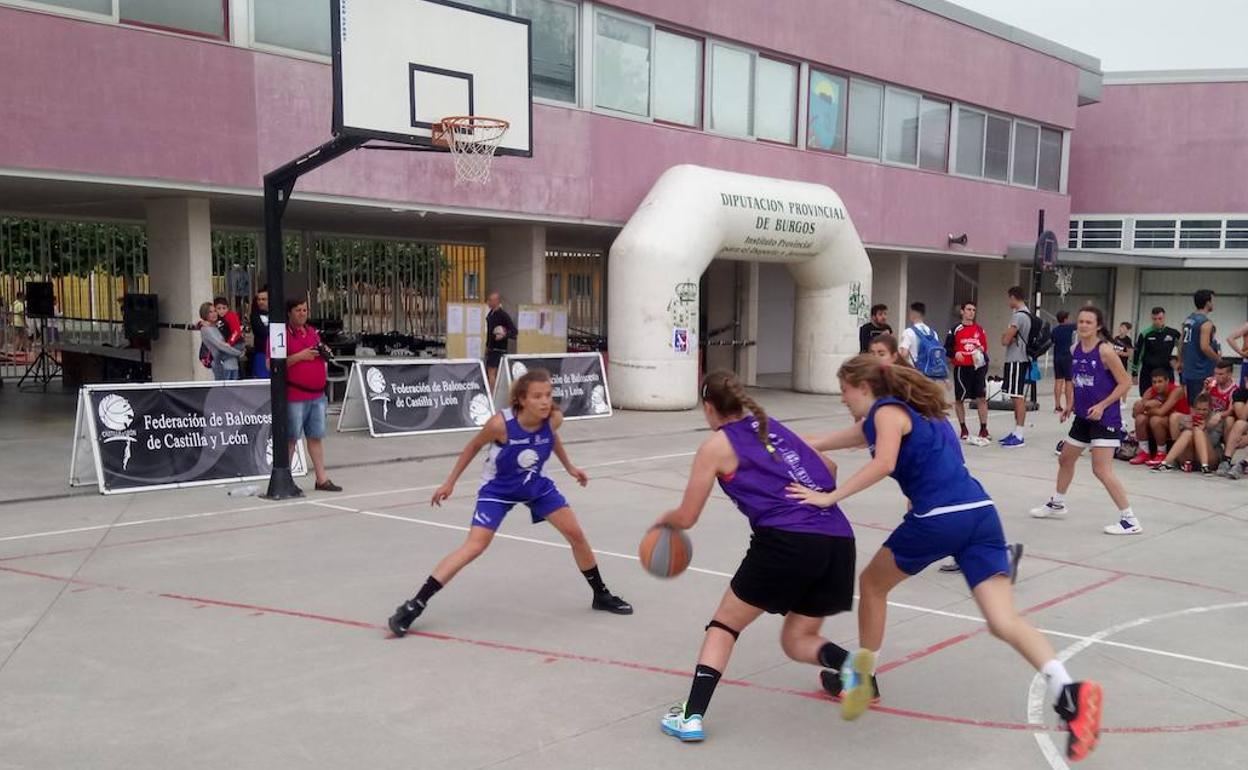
(1135, 34)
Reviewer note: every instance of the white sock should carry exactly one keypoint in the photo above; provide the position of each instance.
(1058, 498)
(1055, 678)
(1018, 431)
(1126, 514)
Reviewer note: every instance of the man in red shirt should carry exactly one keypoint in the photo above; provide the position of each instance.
(306, 375)
(967, 348)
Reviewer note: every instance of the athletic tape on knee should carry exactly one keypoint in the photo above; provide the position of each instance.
(722, 627)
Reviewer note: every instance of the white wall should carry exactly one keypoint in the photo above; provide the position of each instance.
(776, 297)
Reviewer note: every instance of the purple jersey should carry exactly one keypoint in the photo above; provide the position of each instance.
(758, 485)
(1093, 384)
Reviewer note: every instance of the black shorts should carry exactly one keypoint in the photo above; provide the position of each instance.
(1063, 368)
(809, 574)
(969, 383)
(1085, 432)
(493, 358)
(1014, 383)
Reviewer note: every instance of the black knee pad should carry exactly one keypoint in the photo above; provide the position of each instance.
(716, 624)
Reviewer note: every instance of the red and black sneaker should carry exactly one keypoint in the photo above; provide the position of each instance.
(1079, 706)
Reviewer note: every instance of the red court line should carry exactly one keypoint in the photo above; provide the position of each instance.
(935, 648)
(260, 610)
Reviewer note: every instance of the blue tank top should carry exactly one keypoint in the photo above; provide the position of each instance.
(930, 469)
(1196, 365)
(511, 468)
(1093, 384)
(758, 485)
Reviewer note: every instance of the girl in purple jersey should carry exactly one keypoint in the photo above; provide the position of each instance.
(1098, 383)
(800, 562)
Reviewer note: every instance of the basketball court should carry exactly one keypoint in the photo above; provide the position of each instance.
(188, 628)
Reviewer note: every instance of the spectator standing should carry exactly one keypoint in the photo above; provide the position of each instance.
(224, 357)
(1154, 349)
(21, 340)
(501, 329)
(967, 348)
(1063, 342)
(1200, 345)
(1238, 341)
(1124, 346)
(1017, 364)
(306, 376)
(875, 327)
(260, 334)
(920, 345)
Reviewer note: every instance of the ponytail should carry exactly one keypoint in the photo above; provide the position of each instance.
(901, 382)
(723, 391)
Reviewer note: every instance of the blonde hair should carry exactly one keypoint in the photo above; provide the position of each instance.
(722, 390)
(205, 310)
(901, 382)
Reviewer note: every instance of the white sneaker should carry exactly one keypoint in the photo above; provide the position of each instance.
(676, 725)
(1050, 510)
(979, 441)
(1124, 527)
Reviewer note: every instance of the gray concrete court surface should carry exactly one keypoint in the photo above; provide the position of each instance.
(189, 629)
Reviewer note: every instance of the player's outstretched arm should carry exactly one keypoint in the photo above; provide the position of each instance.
(495, 429)
(581, 476)
(715, 456)
(845, 438)
(891, 423)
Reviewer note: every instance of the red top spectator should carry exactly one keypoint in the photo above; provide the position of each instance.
(233, 331)
(305, 369)
(1182, 407)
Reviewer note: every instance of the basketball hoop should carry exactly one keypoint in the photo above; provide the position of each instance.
(472, 141)
(1064, 277)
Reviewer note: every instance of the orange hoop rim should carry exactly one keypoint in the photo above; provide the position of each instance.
(440, 134)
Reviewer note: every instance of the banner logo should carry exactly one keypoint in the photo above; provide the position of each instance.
(479, 409)
(377, 385)
(518, 370)
(598, 400)
(116, 415)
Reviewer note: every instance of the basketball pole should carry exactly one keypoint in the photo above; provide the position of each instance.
(278, 185)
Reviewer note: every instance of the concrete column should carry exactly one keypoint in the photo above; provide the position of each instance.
(179, 256)
(891, 285)
(749, 322)
(1126, 299)
(515, 264)
(995, 279)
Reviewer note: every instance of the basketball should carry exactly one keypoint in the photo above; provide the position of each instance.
(665, 552)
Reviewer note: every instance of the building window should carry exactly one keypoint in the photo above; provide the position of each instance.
(775, 101)
(1050, 175)
(1102, 234)
(622, 65)
(970, 158)
(1026, 151)
(677, 78)
(472, 286)
(102, 7)
(997, 148)
(1237, 233)
(732, 90)
(301, 25)
(553, 31)
(1072, 238)
(208, 18)
(934, 135)
(554, 288)
(901, 127)
(1154, 234)
(825, 125)
(866, 108)
(1200, 234)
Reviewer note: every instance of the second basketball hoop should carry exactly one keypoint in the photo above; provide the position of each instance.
(472, 142)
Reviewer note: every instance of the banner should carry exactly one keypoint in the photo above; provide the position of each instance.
(579, 382)
(404, 396)
(149, 436)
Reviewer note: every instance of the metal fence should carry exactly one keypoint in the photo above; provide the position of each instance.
(577, 279)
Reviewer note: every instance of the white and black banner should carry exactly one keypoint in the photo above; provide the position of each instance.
(148, 436)
(578, 380)
(404, 396)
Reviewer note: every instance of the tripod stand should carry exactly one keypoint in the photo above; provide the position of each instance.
(44, 368)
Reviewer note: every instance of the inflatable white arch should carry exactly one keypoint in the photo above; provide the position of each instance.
(693, 215)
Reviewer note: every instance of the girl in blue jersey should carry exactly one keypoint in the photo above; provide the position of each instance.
(800, 563)
(903, 424)
(521, 440)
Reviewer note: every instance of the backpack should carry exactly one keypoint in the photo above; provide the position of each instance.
(1039, 337)
(930, 357)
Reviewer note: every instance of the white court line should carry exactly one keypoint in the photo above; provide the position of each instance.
(1037, 692)
(299, 501)
(1085, 640)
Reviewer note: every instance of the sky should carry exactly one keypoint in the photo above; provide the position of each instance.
(1135, 34)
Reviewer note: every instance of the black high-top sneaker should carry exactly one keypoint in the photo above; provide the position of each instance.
(609, 602)
(403, 617)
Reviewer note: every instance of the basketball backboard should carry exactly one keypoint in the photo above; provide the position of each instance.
(400, 66)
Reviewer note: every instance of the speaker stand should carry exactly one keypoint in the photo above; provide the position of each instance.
(44, 368)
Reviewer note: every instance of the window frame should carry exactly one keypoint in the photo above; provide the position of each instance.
(983, 143)
(1035, 185)
(844, 127)
(578, 76)
(1063, 158)
(709, 97)
(592, 102)
(797, 100)
(949, 134)
(918, 129)
(849, 114)
(60, 10)
(296, 53)
(703, 67)
(225, 18)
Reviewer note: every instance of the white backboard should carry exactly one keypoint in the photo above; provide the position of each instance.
(400, 66)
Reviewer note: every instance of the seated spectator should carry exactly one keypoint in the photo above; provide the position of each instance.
(1199, 433)
(1152, 417)
(1236, 437)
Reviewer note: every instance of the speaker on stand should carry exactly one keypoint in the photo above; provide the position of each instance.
(41, 304)
(140, 317)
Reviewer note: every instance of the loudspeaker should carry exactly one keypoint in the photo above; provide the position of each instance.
(140, 317)
(40, 301)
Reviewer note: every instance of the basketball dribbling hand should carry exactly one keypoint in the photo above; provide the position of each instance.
(442, 493)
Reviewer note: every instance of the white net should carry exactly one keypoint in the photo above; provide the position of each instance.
(472, 142)
(1064, 277)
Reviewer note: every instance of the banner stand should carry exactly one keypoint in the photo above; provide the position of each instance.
(86, 441)
(583, 373)
(354, 412)
(410, 397)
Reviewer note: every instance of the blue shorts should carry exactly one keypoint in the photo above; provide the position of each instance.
(493, 505)
(973, 537)
(306, 418)
(1063, 368)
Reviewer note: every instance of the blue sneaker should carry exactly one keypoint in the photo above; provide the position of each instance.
(675, 724)
(1012, 441)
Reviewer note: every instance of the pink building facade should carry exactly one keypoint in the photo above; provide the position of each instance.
(929, 121)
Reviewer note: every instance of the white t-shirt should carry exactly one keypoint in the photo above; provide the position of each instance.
(909, 341)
